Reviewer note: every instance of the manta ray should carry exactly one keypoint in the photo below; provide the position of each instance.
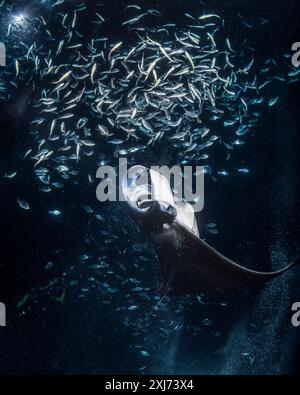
(189, 265)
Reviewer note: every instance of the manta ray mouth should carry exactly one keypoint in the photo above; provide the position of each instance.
(144, 204)
(137, 188)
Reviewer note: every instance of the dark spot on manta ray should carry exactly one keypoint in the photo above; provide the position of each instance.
(189, 264)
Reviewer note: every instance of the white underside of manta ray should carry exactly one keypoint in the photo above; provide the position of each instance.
(189, 264)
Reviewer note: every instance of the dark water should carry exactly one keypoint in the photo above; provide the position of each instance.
(91, 330)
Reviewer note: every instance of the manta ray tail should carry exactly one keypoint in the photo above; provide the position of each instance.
(280, 271)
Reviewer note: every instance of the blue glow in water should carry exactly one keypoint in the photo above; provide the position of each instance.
(55, 212)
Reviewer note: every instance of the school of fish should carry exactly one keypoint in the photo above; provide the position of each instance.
(188, 88)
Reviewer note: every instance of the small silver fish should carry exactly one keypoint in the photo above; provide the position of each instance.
(23, 204)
